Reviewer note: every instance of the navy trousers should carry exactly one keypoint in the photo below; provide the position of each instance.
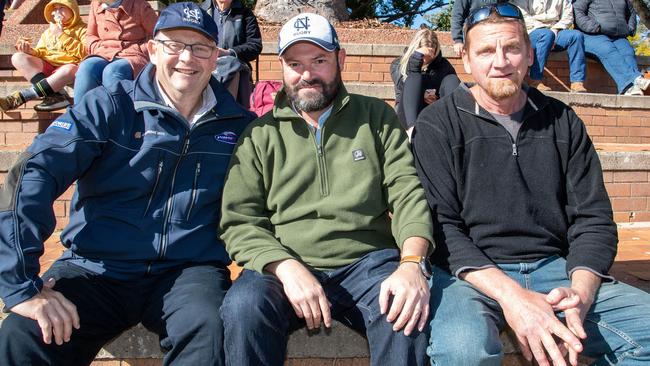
(181, 306)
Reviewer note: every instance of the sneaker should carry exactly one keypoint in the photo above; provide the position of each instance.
(642, 83)
(11, 101)
(52, 103)
(633, 90)
(539, 85)
(578, 87)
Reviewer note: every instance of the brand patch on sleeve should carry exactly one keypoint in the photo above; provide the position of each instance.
(62, 125)
(227, 137)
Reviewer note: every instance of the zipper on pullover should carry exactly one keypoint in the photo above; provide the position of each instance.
(320, 158)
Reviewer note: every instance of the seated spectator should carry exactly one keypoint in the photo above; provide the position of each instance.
(421, 76)
(606, 24)
(459, 13)
(548, 25)
(240, 42)
(116, 41)
(53, 63)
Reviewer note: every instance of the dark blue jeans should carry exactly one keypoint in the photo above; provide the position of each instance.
(543, 41)
(258, 316)
(182, 306)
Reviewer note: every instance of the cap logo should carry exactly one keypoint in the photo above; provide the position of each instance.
(301, 23)
(192, 15)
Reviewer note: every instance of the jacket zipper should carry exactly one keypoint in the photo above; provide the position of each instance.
(197, 171)
(155, 185)
(164, 239)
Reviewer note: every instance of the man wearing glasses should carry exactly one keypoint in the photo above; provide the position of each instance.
(149, 157)
(525, 232)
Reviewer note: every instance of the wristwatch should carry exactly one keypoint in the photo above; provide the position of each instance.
(423, 262)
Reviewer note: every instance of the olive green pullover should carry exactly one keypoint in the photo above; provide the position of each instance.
(325, 205)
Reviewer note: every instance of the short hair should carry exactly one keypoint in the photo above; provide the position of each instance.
(495, 18)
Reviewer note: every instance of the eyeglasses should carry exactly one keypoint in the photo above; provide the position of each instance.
(505, 10)
(176, 48)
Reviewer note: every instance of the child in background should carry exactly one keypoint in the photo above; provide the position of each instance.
(52, 64)
(118, 31)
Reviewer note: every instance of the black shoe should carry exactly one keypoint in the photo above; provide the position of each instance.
(52, 103)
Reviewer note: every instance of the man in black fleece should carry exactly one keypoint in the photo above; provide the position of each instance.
(525, 236)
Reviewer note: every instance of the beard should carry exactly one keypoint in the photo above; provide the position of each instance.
(502, 89)
(313, 101)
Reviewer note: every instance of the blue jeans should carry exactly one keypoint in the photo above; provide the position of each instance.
(181, 306)
(617, 56)
(95, 71)
(466, 323)
(543, 39)
(258, 317)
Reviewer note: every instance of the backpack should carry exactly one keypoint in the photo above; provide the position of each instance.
(263, 96)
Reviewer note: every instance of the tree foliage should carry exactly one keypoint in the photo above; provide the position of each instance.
(641, 41)
(440, 20)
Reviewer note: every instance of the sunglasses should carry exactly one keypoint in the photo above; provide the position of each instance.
(505, 10)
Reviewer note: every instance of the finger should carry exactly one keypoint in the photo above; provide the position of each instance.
(46, 327)
(538, 353)
(71, 309)
(552, 350)
(573, 357)
(306, 311)
(413, 320)
(574, 323)
(396, 306)
(384, 294)
(50, 283)
(405, 314)
(325, 309)
(66, 321)
(297, 310)
(566, 336)
(524, 348)
(56, 322)
(424, 318)
(314, 307)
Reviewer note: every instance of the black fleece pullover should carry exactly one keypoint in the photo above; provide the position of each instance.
(504, 200)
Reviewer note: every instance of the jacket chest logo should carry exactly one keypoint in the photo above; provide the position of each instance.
(227, 137)
(358, 155)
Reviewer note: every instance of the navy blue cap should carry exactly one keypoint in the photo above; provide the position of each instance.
(187, 15)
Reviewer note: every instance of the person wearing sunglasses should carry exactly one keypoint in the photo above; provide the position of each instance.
(548, 24)
(525, 237)
(149, 156)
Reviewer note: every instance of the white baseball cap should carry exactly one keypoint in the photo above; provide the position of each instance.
(308, 27)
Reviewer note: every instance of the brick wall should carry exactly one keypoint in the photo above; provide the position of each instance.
(629, 192)
(624, 125)
(363, 68)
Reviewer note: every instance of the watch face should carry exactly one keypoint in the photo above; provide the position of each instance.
(425, 266)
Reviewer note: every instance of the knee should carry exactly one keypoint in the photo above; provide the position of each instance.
(544, 36)
(18, 334)
(251, 305)
(117, 71)
(69, 70)
(464, 347)
(575, 36)
(19, 59)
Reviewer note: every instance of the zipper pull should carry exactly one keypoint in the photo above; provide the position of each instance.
(186, 146)
(514, 150)
(320, 150)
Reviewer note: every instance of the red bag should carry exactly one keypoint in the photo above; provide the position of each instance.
(263, 96)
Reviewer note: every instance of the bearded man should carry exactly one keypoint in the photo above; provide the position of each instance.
(525, 232)
(306, 213)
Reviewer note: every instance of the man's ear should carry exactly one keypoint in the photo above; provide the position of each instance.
(341, 58)
(151, 48)
(465, 56)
